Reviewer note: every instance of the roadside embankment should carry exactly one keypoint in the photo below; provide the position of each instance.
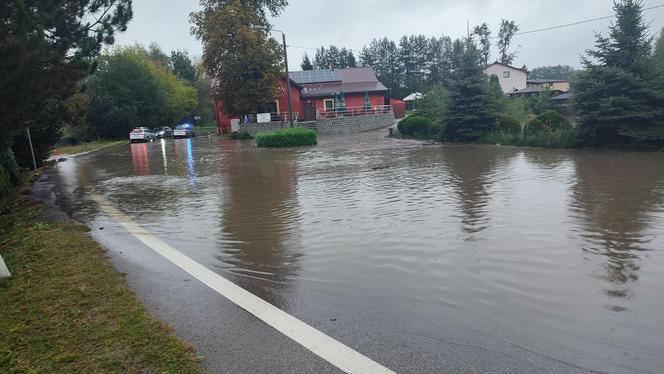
(66, 309)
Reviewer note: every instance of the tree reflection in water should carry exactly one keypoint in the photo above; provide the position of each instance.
(259, 220)
(614, 198)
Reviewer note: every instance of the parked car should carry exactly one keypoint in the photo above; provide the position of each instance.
(183, 131)
(163, 132)
(141, 134)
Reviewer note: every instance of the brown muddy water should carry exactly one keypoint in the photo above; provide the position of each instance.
(549, 251)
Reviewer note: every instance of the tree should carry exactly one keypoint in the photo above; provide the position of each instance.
(505, 35)
(484, 35)
(619, 96)
(203, 86)
(470, 110)
(158, 56)
(439, 60)
(306, 63)
(182, 66)
(131, 90)
(334, 56)
(552, 72)
(382, 56)
(49, 47)
(237, 53)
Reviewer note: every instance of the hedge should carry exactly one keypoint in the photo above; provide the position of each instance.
(416, 126)
(508, 124)
(548, 122)
(295, 137)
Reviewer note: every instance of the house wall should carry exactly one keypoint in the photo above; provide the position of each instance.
(516, 81)
(283, 98)
(560, 86)
(352, 99)
(224, 121)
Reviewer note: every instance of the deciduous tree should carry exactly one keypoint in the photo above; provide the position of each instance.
(505, 34)
(483, 34)
(244, 63)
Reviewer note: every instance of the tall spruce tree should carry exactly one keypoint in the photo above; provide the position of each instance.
(619, 97)
(306, 63)
(46, 49)
(470, 112)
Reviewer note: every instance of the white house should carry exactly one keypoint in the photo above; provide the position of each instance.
(511, 78)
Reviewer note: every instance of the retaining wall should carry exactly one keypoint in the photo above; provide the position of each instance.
(329, 126)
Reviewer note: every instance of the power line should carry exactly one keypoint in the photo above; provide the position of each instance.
(578, 23)
(523, 32)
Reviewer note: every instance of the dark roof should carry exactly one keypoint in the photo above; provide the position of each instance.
(351, 80)
(527, 90)
(531, 90)
(563, 96)
(509, 66)
(542, 81)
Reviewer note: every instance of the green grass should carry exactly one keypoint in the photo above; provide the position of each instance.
(87, 147)
(67, 310)
(295, 137)
(556, 139)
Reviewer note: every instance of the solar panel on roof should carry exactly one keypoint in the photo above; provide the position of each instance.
(315, 76)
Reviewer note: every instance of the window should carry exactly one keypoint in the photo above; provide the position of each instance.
(328, 104)
(506, 74)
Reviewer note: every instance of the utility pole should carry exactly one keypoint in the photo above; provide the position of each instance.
(32, 150)
(287, 77)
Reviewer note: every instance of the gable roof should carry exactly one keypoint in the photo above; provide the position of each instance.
(327, 82)
(507, 66)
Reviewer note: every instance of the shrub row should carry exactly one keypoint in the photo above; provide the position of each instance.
(295, 137)
(417, 127)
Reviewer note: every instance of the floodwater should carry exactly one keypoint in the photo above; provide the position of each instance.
(426, 248)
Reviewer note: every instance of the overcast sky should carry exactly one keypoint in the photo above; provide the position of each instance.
(353, 23)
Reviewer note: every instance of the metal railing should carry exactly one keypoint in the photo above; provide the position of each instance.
(354, 111)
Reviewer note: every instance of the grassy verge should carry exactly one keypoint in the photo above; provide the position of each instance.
(295, 137)
(67, 310)
(87, 147)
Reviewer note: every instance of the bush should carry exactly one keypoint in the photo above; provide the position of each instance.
(508, 124)
(416, 126)
(295, 137)
(241, 136)
(547, 123)
(557, 139)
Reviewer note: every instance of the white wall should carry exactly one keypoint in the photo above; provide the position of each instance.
(516, 81)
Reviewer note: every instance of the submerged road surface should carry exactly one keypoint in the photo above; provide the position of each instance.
(371, 255)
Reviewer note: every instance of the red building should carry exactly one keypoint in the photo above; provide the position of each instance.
(316, 93)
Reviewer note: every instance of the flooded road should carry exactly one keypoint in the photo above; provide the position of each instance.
(427, 258)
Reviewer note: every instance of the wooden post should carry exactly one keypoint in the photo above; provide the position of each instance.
(4, 272)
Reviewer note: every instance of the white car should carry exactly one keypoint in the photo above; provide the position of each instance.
(142, 134)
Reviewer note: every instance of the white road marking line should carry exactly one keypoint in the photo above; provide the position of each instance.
(4, 272)
(326, 347)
